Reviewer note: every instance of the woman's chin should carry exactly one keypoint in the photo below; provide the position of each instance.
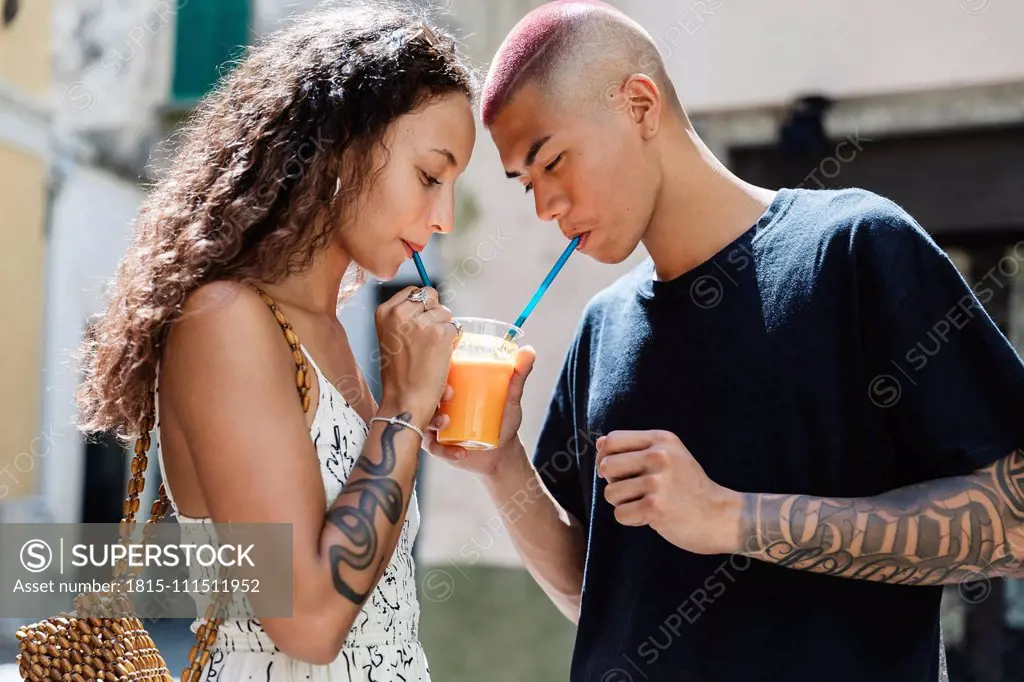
(384, 272)
(385, 268)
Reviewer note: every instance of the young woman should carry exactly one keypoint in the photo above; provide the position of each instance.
(331, 150)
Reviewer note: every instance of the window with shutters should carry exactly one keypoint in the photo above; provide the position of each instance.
(209, 38)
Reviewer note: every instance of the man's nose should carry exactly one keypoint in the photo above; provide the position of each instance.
(551, 202)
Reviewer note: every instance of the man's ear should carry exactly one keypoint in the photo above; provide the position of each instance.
(645, 103)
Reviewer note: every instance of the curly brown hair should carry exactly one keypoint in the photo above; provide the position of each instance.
(271, 163)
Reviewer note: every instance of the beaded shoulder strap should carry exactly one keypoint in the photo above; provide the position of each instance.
(206, 634)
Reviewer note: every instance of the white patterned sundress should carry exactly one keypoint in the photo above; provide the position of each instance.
(383, 643)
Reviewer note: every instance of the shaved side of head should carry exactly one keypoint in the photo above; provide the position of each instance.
(578, 52)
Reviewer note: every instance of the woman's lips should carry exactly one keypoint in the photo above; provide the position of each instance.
(411, 247)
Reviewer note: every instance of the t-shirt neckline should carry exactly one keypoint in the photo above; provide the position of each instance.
(651, 289)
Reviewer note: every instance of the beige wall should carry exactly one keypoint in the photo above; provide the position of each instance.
(731, 54)
(25, 48)
(25, 72)
(22, 201)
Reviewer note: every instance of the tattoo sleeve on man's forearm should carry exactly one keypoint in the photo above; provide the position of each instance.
(937, 532)
(355, 515)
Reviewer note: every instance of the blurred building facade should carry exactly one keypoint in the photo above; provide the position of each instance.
(922, 102)
(25, 76)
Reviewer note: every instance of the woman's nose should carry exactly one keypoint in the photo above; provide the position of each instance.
(443, 218)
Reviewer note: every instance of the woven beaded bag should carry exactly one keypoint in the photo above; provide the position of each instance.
(100, 639)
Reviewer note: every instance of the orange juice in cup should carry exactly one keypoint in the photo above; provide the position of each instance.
(482, 366)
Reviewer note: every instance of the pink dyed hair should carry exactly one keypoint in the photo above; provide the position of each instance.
(523, 48)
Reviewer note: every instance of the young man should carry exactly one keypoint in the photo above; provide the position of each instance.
(774, 441)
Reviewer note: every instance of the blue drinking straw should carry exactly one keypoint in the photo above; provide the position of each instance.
(420, 269)
(544, 286)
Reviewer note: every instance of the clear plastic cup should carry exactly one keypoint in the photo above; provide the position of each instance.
(482, 366)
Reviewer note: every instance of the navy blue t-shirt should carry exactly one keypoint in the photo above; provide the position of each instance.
(832, 349)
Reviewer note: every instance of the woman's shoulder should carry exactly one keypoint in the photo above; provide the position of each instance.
(224, 321)
(211, 300)
(225, 306)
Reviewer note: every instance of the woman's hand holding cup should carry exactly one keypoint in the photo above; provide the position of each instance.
(416, 337)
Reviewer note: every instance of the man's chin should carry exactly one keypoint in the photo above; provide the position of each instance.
(611, 257)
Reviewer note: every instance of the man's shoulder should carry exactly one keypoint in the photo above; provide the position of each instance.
(848, 228)
(840, 214)
(608, 304)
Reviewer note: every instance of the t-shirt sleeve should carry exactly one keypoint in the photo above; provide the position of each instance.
(945, 381)
(555, 457)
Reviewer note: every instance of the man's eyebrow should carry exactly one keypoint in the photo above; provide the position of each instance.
(531, 155)
(447, 154)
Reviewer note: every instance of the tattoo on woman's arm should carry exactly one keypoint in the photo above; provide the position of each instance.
(355, 516)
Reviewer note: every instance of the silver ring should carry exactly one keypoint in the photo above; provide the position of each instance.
(419, 296)
(458, 328)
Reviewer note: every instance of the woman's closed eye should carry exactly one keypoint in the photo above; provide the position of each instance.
(429, 179)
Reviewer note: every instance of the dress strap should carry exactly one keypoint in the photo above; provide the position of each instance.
(312, 362)
(303, 382)
(159, 450)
